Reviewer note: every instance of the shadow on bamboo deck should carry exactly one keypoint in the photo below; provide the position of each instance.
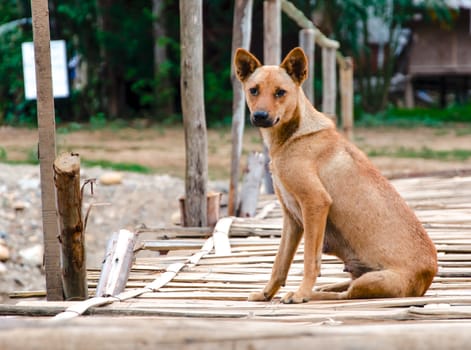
(177, 297)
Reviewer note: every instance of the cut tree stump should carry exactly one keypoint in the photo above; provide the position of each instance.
(72, 240)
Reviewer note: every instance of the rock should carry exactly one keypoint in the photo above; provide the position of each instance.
(20, 206)
(33, 255)
(111, 178)
(4, 251)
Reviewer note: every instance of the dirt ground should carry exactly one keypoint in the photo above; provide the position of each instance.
(163, 149)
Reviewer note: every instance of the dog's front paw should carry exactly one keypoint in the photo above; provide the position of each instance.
(295, 298)
(257, 296)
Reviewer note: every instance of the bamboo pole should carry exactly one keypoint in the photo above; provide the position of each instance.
(307, 38)
(251, 184)
(47, 146)
(329, 80)
(241, 31)
(271, 56)
(272, 32)
(346, 93)
(72, 239)
(196, 170)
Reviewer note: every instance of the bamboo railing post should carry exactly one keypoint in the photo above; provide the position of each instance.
(241, 31)
(272, 32)
(69, 200)
(251, 185)
(329, 81)
(47, 146)
(346, 92)
(194, 121)
(271, 56)
(306, 41)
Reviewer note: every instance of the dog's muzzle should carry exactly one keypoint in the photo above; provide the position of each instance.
(261, 119)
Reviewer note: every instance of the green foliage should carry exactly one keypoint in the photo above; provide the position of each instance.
(115, 41)
(131, 167)
(424, 153)
(13, 107)
(402, 117)
(350, 22)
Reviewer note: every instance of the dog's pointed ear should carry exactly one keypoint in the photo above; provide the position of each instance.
(245, 64)
(295, 64)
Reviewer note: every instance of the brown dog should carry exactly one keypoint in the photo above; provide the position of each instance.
(331, 193)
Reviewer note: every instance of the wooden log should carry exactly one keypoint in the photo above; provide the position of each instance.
(251, 184)
(241, 33)
(306, 41)
(72, 238)
(46, 147)
(329, 80)
(346, 92)
(117, 263)
(194, 121)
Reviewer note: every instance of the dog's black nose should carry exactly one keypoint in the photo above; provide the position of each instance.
(260, 116)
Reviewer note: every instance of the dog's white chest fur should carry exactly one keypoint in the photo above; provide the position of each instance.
(288, 200)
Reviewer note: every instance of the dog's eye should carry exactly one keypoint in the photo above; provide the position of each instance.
(280, 93)
(253, 91)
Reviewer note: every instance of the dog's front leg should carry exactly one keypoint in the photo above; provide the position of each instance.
(290, 238)
(314, 221)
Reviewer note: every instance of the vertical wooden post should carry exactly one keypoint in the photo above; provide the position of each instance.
(306, 41)
(409, 93)
(251, 185)
(241, 32)
(47, 146)
(194, 121)
(272, 32)
(329, 81)
(272, 56)
(346, 92)
(72, 237)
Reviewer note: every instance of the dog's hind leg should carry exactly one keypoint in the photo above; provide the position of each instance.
(335, 287)
(375, 284)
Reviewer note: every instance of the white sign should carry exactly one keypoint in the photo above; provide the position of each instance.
(60, 81)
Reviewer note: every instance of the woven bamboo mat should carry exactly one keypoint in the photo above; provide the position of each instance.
(193, 281)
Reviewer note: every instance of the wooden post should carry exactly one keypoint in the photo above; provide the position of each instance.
(329, 81)
(194, 121)
(272, 31)
(241, 32)
(272, 56)
(72, 239)
(346, 93)
(306, 41)
(251, 184)
(47, 146)
(409, 93)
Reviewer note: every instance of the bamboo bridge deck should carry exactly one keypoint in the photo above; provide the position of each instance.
(195, 296)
